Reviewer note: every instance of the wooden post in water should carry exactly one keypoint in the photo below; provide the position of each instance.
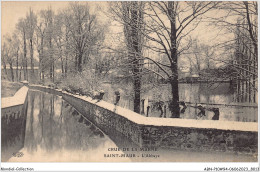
(142, 106)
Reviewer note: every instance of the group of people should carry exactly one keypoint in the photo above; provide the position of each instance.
(101, 94)
(94, 95)
(161, 106)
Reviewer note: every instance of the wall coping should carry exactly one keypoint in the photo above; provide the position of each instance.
(167, 122)
(173, 122)
(18, 98)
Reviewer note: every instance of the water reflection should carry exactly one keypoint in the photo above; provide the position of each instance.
(55, 131)
(217, 95)
(13, 123)
(30, 129)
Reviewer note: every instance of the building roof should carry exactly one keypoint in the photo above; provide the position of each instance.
(19, 67)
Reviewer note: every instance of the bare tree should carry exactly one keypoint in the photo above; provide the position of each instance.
(16, 49)
(40, 37)
(200, 57)
(241, 52)
(48, 18)
(169, 39)
(208, 53)
(133, 14)
(83, 31)
(59, 38)
(10, 53)
(21, 27)
(4, 52)
(164, 28)
(31, 21)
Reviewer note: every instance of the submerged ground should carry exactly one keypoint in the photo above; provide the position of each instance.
(55, 132)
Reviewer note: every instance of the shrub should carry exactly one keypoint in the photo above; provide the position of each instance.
(81, 82)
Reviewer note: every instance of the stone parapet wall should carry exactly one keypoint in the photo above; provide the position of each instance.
(16, 100)
(200, 139)
(105, 118)
(13, 122)
(186, 134)
(15, 106)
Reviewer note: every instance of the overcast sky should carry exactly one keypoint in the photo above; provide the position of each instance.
(12, 11)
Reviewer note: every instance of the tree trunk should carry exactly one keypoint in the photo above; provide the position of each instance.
(43, 76)
(52, 61)
(20, 75)
(25, 58)
(175, 109)
(80, 62)
(26, 69)
(250, 28)
(53, 74)
(62, 66)
(136, 66)
(76, 62)
(12, 71)
(4, 64)
(40, 61)
(66, 65)
(137, 94)
(17, 58)
(31, 54)
(85, 59)
(62, 61)
(253, 38)
(39, 53)
(66, 53)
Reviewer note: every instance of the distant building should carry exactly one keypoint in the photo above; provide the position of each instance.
(192, 78)
(32, 74)
(19, 68)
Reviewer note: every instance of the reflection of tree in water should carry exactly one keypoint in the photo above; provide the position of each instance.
(44, 126)
(40, 118)
(74, 135)
(78, 134)
(43, 120)
(61, 115)
(59, 131)
(49, 124)
(31, 141)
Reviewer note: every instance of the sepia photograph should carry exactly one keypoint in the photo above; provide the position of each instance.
(129, 81)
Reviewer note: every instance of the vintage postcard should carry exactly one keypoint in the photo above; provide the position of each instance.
(129, 81)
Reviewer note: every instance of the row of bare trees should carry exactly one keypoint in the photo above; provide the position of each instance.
(73, 36)
(246, 53)
(165, 28)
(162, 28)
(241, 51)
(65, 41)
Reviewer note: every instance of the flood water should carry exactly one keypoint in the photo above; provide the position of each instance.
(55, 132)
(217, 95)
